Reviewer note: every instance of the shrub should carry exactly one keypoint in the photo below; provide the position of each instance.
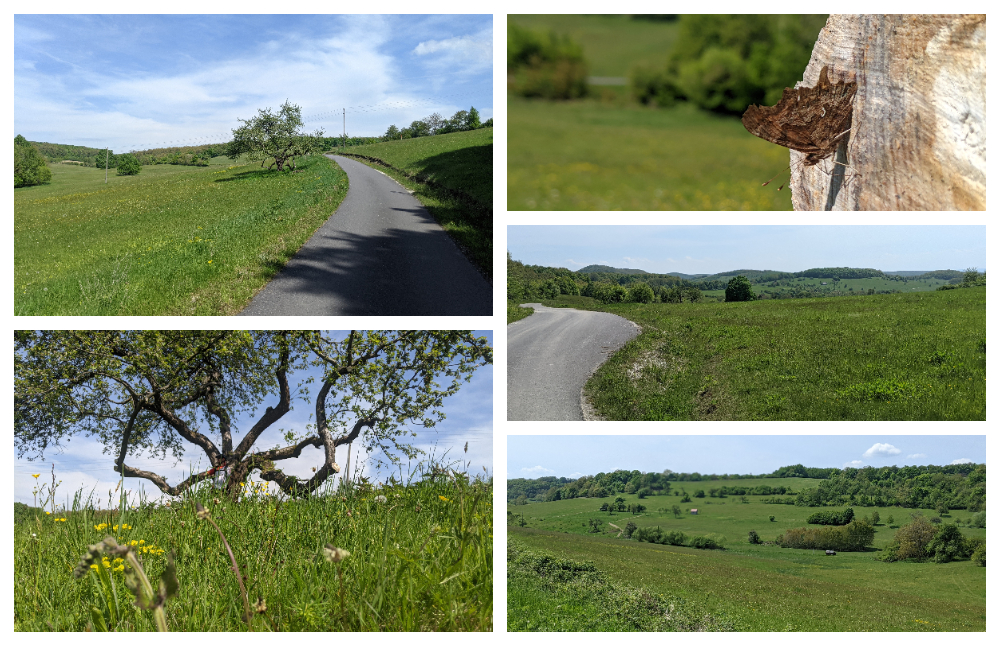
(30, 168)
(704, 543)
(979, 556)
(910, 541)
(831, 517)
(739, 289)
(854, 537)
(979, 520)
(549, 67)
(128, 164)
(630, 528)
(771, 518)
(640, 292)
(754, 538)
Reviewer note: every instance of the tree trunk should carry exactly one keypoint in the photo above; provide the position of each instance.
(918, 133)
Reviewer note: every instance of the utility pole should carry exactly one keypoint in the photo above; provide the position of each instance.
(345, 127)
(106, 165)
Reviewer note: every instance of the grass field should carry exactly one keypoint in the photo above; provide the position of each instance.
(612, 45)
(420, 559)
(171, 240)
(458, 161)
(915, 356)
(764, 587)
(588, 155)
(846, 286)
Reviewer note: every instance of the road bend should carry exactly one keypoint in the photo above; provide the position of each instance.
(550, 356)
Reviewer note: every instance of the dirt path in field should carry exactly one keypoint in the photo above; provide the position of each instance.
(620, 530)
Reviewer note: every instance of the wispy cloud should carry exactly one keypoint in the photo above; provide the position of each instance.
(857, 464)
(536, 471)
(915, 456)
(881, 450)
(962, 461)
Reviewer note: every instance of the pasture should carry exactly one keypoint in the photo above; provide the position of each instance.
(910, 356)
(760, 587)
(171, 240)
(420, 559)
(459, 166)
(845, 286)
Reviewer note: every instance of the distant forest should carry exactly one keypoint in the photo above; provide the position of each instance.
(955, 486)
(610, 284)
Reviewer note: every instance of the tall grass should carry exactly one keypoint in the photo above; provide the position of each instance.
(172, 240)
(916, 356)
(420, 558)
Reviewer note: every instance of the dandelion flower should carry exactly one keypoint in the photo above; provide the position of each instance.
(35, 475)
(335, 554)
(380, 498)
(444, 499)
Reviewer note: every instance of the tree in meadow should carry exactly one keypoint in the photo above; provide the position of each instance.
(472, 119)
(128, 164)
(275, 136)
(739, 289)
(155, 391)
(30, 168)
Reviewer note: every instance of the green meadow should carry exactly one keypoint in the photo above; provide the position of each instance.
(909, 356)
(845, 286)
(451, 175)
(418, 558)
(171, 240)
(751, 587)
(587, 155)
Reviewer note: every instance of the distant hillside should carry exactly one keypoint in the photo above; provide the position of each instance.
(54, 153)
(604, 269)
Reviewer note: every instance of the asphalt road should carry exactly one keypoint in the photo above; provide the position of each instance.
(550, 356)
(380, 254)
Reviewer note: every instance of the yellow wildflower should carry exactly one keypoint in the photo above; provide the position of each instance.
(35, 475)
(444, 499)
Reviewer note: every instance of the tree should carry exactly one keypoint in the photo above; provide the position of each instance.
(911, 540)
(153, 391)
(30, 168)
(754, 538)
(677, 511)
(640, 292)
(128, 164)
(472, 119)
(273, 136)
(875, 517)
(392, 132)
(947, 545)
(457, 121)
(629, 529)
(434, 123)
(739, 289)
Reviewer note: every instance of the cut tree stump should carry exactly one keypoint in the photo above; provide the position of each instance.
(918, 131)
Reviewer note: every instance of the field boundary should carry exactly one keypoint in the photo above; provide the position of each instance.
(461, 196)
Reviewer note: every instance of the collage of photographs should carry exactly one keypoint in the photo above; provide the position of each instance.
(260, 365)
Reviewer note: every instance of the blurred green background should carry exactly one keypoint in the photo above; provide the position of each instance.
(643, 112)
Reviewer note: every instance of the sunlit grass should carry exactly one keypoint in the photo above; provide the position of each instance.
(420, 559)
(171, 240)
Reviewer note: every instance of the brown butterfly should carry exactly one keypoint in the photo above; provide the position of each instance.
(811, 120)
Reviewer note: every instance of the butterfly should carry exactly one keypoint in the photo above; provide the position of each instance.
(811, 120)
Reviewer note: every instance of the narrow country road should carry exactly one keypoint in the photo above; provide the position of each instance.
(380, 254)
(550, 356)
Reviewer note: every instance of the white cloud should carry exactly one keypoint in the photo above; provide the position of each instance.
(576, 474)
(635, 261)
(881, 450)
(916, 456)
(461, 54)
(962, 461)
(857, 464)
(536, 471)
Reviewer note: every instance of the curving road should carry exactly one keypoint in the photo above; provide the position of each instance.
(550, 356)
(380, 253)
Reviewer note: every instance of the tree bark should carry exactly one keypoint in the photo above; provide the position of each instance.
(918, 134)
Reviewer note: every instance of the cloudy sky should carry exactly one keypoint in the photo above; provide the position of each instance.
(573, 456)
(83, 465)
(140, 81)
(719, 248)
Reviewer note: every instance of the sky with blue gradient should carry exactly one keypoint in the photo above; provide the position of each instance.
(573, 456)
(81, 464)
(143, 81)
(712, 249)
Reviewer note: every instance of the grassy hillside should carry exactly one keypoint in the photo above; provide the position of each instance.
(764, 587)
(588, 155)
(459, 167)
(171, 240)
(916, 356)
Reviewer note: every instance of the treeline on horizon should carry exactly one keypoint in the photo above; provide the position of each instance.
(199, 155)
(953, 486)
(535, 282)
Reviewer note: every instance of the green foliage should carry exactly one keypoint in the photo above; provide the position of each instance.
(854, 537)
(739, 289)
(640, 293)
(754, 538)
(979, 556)
(629, 529)
(831, 517)
(275, 136)
(771, 518)
(30, 168)
(544, 66)
(515, 312)
(875, 517)
(24, 513)
(880, 390)
(947, 545)
(979, 520)
(198, 241)
(92, 382)
(911, 541)
(128, 164)
(704, 543)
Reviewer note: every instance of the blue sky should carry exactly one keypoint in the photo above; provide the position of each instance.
(573, 456)
(82, 465)
(139, 81)
(719, 248)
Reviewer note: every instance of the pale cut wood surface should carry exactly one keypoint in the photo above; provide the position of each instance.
(918, 137)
